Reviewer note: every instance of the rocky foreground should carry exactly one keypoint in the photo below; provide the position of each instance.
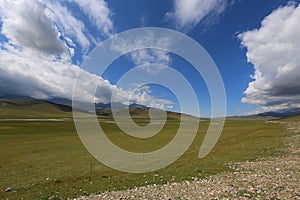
(269, 178)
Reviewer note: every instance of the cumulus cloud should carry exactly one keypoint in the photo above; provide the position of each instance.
(67, 23)
(142, 55)
(50, 27)
(274, 49)
(28, 72)
(146, 57)
(25, 24)
(141, 94)
(99, 13)
(36, 60)
(188, 13)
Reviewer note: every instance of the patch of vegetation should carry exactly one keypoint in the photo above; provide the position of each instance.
(46, 160)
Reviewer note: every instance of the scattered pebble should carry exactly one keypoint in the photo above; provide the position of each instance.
(269, 178)
(257, 180)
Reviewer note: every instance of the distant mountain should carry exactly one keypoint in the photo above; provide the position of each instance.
(269, 115)
(15, 97)
(62, 101)
(117, 105)
(11, 105)
(27, 107)
(36, 109)
(135, 105)
(105, 109)
(139, 113)
(280, 114)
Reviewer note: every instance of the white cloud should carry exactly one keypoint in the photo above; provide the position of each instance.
(170, 107)
(143, 53)
(141, 94)
(26, 25)
(27, 72)
(99, 13)
(274, 49)
(36, 59)
(50, 27)
(188, 13)
(67, 23)
(146, 57)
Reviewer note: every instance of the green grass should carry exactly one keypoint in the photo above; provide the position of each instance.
(42, 160)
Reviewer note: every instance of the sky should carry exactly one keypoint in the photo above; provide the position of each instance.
(255, 45)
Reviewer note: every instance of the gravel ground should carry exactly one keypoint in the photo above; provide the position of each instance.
(270, 178)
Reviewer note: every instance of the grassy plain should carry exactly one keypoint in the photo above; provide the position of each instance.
(46, 159)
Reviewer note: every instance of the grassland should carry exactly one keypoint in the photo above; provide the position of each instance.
(46, 159)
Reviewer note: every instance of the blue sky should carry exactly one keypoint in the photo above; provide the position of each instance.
(254, 44)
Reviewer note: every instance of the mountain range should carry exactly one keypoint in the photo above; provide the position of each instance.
(10, 106)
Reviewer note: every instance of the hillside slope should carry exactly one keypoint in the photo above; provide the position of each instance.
(12, 109)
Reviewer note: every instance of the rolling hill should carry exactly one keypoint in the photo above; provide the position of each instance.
(36, 109)
(11, 108)
(31, 108)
